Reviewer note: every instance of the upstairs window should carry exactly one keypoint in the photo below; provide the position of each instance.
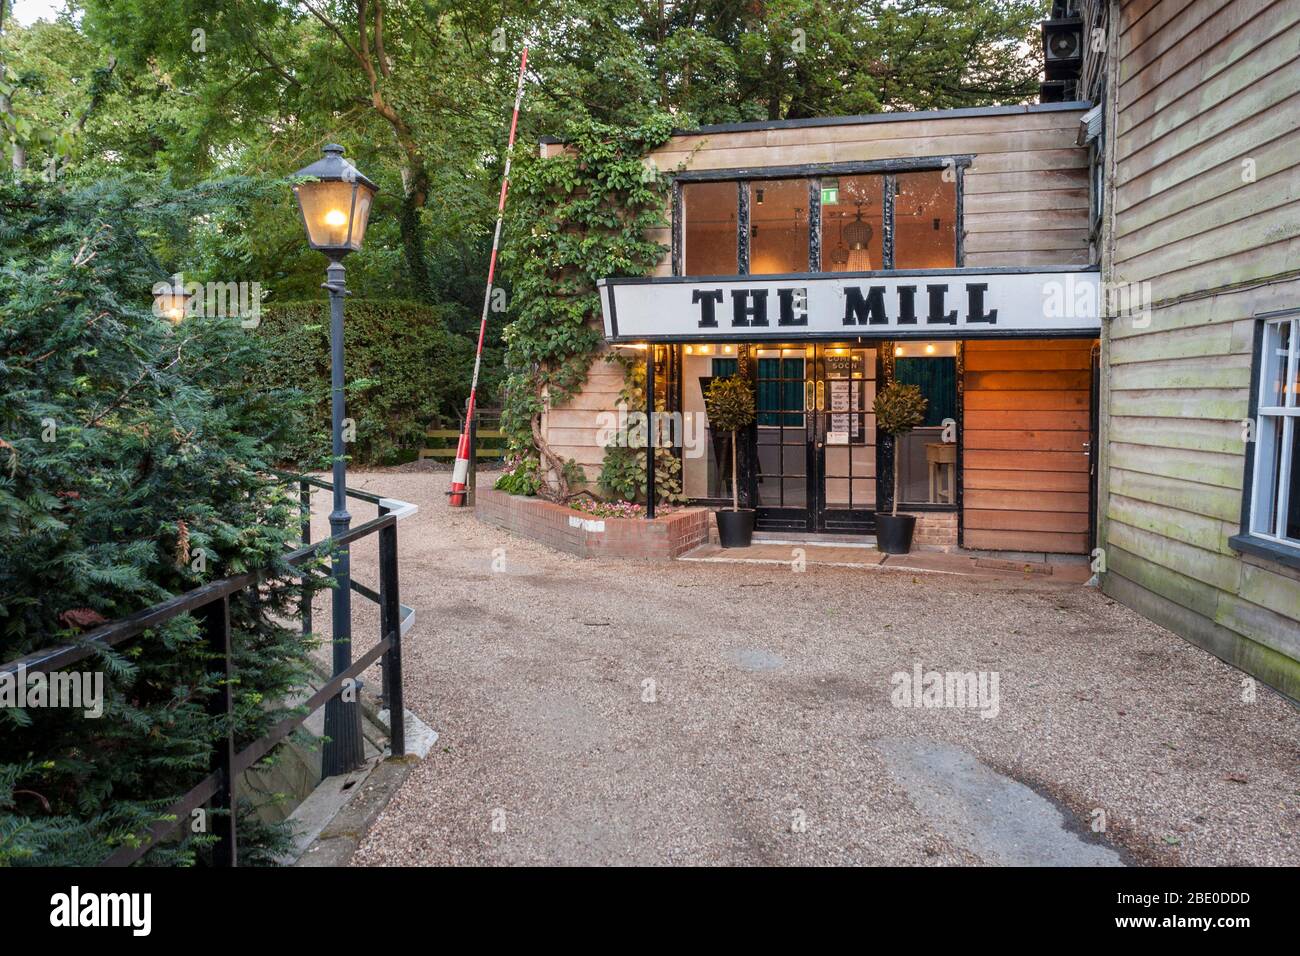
(925, 220)
(853, 223)
(709, 218)
(850, 222)
(778, 226)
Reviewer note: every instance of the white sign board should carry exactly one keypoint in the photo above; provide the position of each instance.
(960, 303)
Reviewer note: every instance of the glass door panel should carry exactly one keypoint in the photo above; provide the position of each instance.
(782, 441)
(846, 439)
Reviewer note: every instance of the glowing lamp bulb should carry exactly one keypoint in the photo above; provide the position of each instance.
(335, 217)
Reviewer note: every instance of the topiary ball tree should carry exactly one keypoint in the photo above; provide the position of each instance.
(899, 408)
(729, 403)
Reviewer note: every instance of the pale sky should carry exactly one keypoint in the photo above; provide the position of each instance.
(28, 12)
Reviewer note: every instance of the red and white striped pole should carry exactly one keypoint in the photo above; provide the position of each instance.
(461, 471)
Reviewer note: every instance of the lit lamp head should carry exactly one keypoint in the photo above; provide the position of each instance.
(335, 205)
(170, 301)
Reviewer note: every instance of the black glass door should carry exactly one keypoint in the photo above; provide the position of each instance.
(844, 439)
(783, 459)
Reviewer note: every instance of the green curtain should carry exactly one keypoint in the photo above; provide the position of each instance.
(937, 380)
(780, 389)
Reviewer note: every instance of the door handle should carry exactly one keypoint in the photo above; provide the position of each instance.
(821, 396)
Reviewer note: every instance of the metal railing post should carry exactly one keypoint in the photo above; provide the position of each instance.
(304, 523)
(390, 615)
(385, 679)
(650, 431)
(215, 618)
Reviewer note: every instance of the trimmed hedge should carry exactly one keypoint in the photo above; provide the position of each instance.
(406, 372)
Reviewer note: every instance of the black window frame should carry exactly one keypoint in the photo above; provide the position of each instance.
(813, 172)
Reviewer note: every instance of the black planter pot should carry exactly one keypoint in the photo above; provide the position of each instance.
(894, 533)
(735, 528)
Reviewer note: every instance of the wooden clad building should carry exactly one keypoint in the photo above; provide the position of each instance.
(1200, 506)
(841, 228)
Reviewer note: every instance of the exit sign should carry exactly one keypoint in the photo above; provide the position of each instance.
(830, 196)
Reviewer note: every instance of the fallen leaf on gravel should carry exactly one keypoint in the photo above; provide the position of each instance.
(1172, 840)
(1236, 777)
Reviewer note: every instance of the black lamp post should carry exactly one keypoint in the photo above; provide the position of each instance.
(335, 206)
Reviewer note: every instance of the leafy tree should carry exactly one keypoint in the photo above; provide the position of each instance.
(133, 458)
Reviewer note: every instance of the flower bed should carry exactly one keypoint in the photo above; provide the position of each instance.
(587, 533)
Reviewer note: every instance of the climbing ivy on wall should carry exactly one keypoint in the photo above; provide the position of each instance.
(622, 475)
(576, 217)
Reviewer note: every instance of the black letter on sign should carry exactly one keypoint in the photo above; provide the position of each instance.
(907, 305)
(707, 299)
(975, 293)
(868, 311)
(937, 316)
(743, 314)
(786, 297)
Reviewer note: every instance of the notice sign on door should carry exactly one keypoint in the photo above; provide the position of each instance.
(844, 398)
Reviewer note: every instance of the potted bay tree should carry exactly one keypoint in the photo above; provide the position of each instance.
(899, 408)
(729, 403)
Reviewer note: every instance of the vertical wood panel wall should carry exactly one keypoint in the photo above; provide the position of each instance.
(1206, 204)
(1025, 467)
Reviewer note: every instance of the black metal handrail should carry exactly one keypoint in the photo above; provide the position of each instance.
(211, 604)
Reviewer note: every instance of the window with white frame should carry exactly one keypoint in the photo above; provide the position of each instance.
(1275, 484)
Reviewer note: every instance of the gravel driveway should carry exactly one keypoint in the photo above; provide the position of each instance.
(609, 713)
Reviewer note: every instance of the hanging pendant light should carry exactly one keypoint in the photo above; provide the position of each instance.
(840, 255)
(858, 233)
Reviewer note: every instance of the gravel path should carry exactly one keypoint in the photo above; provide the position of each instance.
(608, 713)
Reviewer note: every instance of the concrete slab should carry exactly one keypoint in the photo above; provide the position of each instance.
(420, 737)
(999, 819)
(328, 808)
(755, 658)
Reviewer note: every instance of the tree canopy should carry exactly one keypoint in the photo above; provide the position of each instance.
(419, 92)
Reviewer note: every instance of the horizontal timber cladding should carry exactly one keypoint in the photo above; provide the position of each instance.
(1025, 469)
(1206, 201)
(1207, 173)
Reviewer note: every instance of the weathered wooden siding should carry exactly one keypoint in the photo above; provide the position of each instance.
(1026, 202)
(1207, 210)
(1024, 445)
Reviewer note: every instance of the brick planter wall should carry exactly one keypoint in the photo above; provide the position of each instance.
(934, 529)
(587, 536)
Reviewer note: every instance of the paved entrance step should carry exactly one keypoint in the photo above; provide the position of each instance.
(842, 554)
